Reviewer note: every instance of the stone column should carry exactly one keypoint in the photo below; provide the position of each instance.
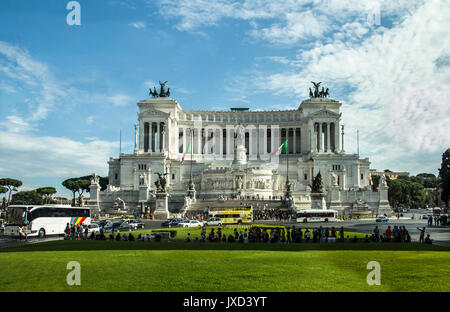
(336, 137)
(311, 138)
(151, 139)
(158, 136)
(183, 150)
(320, 138)
(135, 138)
(199, 140)
(328, 138)
(293, 139)
(342, 140)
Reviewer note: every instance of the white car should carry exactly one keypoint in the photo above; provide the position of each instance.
(93, 227)
(190, 223)
(213, 221)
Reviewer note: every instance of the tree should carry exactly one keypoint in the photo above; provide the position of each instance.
(11, 184)
(403, 191)
(47, 192)
(375, 182)
(72, 185)
(77, 185)
(27, 198)
(444, 178)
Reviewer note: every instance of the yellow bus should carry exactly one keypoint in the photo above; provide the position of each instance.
(232, 215)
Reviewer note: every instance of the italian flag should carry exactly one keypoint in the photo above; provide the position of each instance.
(282, 148)
(188, 151)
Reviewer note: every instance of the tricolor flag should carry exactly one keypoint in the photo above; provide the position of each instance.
(188, 151)
(283, 148)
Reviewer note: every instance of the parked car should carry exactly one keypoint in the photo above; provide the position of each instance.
(424, 216)
(190, 223)
(213, 221)
(2, 227)
(137, 224)
(126, 226)
(103, 223)
(171, 223)
(93, 228)
(113, 225)
(382, 219)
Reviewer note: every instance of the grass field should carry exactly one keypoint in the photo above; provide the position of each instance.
(179, 266)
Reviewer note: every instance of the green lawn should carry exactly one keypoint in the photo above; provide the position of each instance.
(179, 266)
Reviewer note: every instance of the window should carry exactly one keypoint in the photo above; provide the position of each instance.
(306, 176)
(115, 176)
(142, 167)
(173, 176)
(362, 176)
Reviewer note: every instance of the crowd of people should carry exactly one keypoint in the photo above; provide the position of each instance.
(298, 235)
(273, 214)
(77, 232)
(437, 220)
(273, 235)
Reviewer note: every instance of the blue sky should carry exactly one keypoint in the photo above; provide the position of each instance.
(66, 91)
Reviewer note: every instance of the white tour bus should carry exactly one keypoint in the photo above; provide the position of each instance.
(316, 215)
(37, 220)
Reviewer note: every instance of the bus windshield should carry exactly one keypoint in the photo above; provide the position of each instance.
(15, 216)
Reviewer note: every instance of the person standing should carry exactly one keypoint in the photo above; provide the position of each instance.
(376, 231)
(341, 234)
(422, 234)
(19, 230)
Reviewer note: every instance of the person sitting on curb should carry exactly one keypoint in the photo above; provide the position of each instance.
(428, 239)
(187, 239)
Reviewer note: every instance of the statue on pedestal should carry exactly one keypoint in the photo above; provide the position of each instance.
(334, 180)
(383, 180)
(317, 184)
(161, 183)
(95, 178)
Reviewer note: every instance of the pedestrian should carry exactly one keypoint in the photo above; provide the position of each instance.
(376, 232)
(19, 230)
(422, 234)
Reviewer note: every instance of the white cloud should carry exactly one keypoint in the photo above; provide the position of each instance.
(16, 64)
(288, 21)
(90, 120)
(393, 84)
(7, 88)
(119, 100)
(138, 25)
(52, 156)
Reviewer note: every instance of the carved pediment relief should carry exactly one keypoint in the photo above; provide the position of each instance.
(154, 112)
(324, 113)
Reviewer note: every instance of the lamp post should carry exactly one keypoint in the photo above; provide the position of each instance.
(191, 187)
